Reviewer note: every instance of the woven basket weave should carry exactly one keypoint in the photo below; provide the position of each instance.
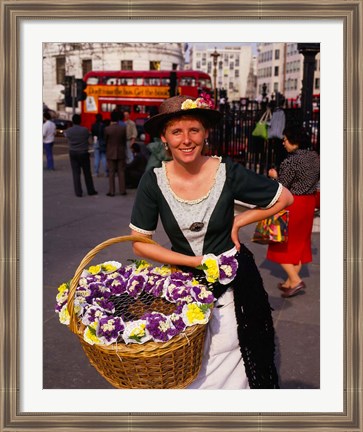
(153, 365)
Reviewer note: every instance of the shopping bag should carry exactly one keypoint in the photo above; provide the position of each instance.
(261, 128)
(273, 229)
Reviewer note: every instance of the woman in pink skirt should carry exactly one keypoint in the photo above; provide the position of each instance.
(299, 173)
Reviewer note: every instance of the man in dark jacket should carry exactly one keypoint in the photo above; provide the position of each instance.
(78, 140)
(115, 139)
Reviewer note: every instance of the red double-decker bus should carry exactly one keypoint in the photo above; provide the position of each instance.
(139, 92)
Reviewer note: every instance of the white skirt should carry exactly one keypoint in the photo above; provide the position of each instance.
(222, 364)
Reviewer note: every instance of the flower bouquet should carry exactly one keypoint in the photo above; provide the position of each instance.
(141, 326)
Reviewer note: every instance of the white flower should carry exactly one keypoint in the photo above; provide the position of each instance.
(135, 331)
(64, 316)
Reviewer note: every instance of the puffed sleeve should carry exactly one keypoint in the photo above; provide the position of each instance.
(145, 212)
(251, 188)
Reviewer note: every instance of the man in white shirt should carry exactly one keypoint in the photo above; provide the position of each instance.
(49, 131)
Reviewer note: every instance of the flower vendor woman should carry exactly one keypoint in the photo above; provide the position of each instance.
(194, 195)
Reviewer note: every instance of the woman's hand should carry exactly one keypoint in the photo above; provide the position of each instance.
(272, 173)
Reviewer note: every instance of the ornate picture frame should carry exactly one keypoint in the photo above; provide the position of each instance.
(12, 14)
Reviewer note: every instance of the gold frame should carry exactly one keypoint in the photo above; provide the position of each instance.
(12, 12)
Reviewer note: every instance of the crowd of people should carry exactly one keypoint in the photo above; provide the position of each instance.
(193, 195)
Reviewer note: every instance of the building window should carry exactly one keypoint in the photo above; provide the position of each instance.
(276, 71)
(220, 65)
(231, 66)
(277, 54)
(317, 83)
(60, 69)
(155, 65)
(198, 65)
(126, 65)
(209, 67)
(236, 73)
(237, 61)
(174, 66)
(86, 66)
(276, 87)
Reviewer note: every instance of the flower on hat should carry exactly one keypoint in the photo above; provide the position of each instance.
(204, 102)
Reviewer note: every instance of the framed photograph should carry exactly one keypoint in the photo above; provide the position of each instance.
(25, 403)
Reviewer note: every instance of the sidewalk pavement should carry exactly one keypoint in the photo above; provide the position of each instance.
(73, 226)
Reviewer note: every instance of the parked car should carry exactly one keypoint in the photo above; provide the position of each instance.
(61, 125)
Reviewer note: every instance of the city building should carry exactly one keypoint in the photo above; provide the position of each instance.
(280, 68)
(233, 67)
(61, 59)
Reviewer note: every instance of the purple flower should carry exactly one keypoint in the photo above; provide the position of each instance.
(104, 304)
(158, 287)
(93, 314)
(227, 269)
(150, 285)
(118, 285)
(176, 291)
(135, 285)
(200, 294)
(159, 326)
(109, 328)
(178, 322)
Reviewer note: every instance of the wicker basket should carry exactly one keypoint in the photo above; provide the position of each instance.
(153, 365)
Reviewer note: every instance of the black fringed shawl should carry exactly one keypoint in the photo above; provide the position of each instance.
(254, 322)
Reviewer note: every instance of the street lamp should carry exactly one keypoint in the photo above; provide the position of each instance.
(215, 56)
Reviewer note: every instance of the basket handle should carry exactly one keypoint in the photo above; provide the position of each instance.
(86, 260)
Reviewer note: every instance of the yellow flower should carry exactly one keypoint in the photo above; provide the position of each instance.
(90, 337)
(194, 314)
(108, 267)
(188, 104)
(64, 316)
(212, 271)
(63, 287)
(138, 331)
(163, 271)
(94, 269)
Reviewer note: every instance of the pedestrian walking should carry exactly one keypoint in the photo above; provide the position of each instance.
(78, 139)
(131, 135)
(115, 139)
(99, 145)
(49, 131)
(276, 151)
(300, 173)
(194, 196)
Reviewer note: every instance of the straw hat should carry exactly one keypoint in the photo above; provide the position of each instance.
(181, 105)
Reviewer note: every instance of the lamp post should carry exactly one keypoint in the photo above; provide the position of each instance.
(309, 51)
(215, 56)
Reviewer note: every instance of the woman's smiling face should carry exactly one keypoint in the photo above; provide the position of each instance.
(185, 137)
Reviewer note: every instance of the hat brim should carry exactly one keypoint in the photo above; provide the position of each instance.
(154, 125)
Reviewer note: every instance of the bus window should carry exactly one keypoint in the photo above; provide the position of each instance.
(107, 107)
(165, 81)
(152, 81)
(127, 81)
(205, 83)
(124, 108)
(92, 80)
(139, 81)
(111, 81)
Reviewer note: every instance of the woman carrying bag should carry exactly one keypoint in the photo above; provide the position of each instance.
(300, 173)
